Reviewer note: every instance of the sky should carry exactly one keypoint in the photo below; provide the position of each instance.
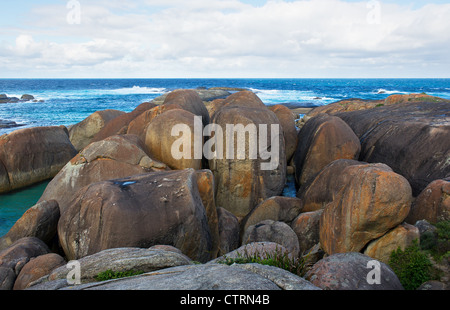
(225, 39)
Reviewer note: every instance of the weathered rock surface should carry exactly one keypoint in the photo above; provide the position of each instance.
(284, 279)
(278, 208)
(261, 249)
(189, 100)
(138, 211)
(214, 106)
(400, 237)
(40, 221)
(206, 187)
(287, 122)
(244, 99)
(36, 268)
(82, 134)
(14, 258)
(8, 124)
(139, 125)
(322, 189)
(322, 140)
(229, 239)
(112, 158)
(411, 137)
(356, 104)
(433, 286)
(243, 177)
(350, 271)
(374, 201)
(272, 231)
(123, 260)
(346, 105)
(433, 204)
(32, 155)
(24, 98)
(161, 143)
(206, 95)
(306, 226)
(119, 125)
(202, 277)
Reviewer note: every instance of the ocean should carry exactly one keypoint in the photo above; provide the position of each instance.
(69, 101)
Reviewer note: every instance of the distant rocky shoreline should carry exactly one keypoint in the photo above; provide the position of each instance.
(24, 98)
(8, 124)
(370, 175)
(4, 99)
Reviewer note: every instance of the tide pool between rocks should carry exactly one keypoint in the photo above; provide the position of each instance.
(14, 205)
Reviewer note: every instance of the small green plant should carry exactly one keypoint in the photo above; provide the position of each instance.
(109, 275)
(437, 243)
(276, 259)
(411, 265)
(379, 105)
(443, 240)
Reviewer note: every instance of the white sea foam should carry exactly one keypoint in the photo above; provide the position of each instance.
(138, 90)
(96, 93)
(389, 92)
(276, 96)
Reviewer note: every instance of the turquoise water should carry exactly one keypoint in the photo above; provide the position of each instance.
(14, 205)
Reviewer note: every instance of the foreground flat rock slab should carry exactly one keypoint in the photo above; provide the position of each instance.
(201, 277)
(119, 260)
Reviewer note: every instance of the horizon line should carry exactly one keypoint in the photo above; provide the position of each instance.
(225, 78)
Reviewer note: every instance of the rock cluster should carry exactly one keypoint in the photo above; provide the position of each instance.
(121, 201)
(24, 98)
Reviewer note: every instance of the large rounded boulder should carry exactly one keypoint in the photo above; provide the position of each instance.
(287, 121)
(322, 140)
(321, 190)
(174, 138)
(82, 133)
(249, 167)
(352, 271)
(119, 125)
(139, 125)
(112, 158)
(32, 155)
(138, 211)
(433, 203)
(40, 221)
(189, 100)
(410, 136)
(372, 202)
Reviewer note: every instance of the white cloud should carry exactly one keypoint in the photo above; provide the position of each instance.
(226, 38)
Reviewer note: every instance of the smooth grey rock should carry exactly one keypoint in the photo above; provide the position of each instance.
(228, 231)
(124, 259)
(351, 271)
(278, 232)
(260, 249)
(283, 278)
(207, 277)
(7, 278)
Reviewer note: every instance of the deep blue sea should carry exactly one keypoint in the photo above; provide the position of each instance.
(69, 101)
